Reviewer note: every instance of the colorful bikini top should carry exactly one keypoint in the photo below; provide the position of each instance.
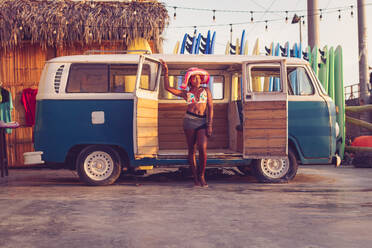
(192, 99)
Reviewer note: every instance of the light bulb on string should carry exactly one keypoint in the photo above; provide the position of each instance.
(303, 20)
(266, 27)
(175, 14)
(214, 15)
(251, 16)
(321, 15)
(352, 10)
(339, 15)
(286, 17)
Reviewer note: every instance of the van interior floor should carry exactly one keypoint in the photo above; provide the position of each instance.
(211, 154)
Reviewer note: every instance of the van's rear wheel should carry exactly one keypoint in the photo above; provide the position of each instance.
(276, 170)
(98, 165)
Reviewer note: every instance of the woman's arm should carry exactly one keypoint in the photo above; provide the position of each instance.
(209, 113)
(174, 91)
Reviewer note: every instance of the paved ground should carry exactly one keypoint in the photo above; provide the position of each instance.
(323, 207)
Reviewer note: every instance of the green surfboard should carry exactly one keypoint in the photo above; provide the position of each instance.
(340, 98)
(323, 68)
(315, 59)
(331, 73)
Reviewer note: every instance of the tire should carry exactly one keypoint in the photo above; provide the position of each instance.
(276, 170)
(98, 165)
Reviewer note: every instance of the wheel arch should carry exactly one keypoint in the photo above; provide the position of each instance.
(73, 152)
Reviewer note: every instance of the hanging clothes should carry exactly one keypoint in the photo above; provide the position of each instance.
(6, 108)
(29, 102)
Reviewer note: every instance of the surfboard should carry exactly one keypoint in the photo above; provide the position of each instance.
(331, 74)
(315, 59)
(197, 44)
(208, 42)
(246, 47)
(183, 46)
(176, 48)
(340, 98)
(227, 49)
(242, 40)
(287, 50)
(299, 51)
(323, 68)
(276, 83)
(294, 51)
(268, 81)
(256, 83)
(237, 44)
(213, 41)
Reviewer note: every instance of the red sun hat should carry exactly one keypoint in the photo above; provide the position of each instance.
(204, 76)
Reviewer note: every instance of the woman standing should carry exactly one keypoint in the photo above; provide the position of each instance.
(197, 123)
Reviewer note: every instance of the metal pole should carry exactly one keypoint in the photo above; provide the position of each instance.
(363, 53)
(313, 23)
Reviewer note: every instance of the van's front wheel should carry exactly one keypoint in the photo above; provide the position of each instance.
(276, 170)
(98, 165)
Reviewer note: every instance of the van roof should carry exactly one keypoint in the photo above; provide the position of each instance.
(173, 58)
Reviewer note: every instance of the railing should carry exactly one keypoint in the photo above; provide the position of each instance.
(351, 91)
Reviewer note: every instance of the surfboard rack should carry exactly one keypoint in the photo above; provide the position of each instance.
(90, 52)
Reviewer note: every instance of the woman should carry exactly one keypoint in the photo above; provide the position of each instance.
(197, 123)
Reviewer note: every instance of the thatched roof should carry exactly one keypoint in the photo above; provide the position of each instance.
(53, 23)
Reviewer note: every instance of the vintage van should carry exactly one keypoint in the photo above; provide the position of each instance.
(102, 114)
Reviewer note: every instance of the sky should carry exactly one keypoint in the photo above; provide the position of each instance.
(332, 30)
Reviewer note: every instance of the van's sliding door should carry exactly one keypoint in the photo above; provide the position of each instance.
(146, 108)
(265, 104)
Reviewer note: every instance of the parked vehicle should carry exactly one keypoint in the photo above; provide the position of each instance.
(100, 114)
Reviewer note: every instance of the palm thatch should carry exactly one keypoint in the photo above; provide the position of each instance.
(64, 22)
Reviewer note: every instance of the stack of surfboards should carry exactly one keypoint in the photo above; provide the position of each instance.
(195, 44)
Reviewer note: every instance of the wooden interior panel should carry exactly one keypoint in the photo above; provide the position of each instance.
(265, 129)
(147, 127)
(171, 133)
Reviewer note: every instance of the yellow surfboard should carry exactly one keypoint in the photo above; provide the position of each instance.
(256, 82)
(176, 48)
(227, 50)
(246, 47)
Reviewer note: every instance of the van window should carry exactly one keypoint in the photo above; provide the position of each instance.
(299, 82)
(216, 86)
(265, 79)
(88, 78)
(148, 80)
(123, 78)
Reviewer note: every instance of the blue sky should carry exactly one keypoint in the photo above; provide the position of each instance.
(332, 31)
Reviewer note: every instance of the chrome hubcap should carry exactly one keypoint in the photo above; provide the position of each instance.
(275, 168)
(98, 165)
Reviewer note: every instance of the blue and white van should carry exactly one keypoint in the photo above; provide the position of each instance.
(102, 114)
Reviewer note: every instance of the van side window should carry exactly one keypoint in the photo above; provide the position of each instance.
(265, 79)
(123, 78)
(147, 80)
(216, 86)
(88, 78)
(299, 82)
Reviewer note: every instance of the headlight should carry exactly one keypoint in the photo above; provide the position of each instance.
(337, 130)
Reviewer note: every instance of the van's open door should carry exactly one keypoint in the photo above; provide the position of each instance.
(145, 119)
(265, 125)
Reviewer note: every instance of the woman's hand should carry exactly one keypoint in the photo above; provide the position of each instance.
(209, 131)
(165, 66)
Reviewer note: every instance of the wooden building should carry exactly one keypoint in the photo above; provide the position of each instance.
(34, 31)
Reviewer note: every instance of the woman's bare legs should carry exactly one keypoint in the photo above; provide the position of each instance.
(191, 145)
(202, 139)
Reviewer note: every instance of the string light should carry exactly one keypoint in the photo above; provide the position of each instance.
(251, 16)
(303, 20)
(321, 14)
(175, 14)
(339, 14)
(286, 17)
(266, 27)
(214, 15)
(352, 10)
